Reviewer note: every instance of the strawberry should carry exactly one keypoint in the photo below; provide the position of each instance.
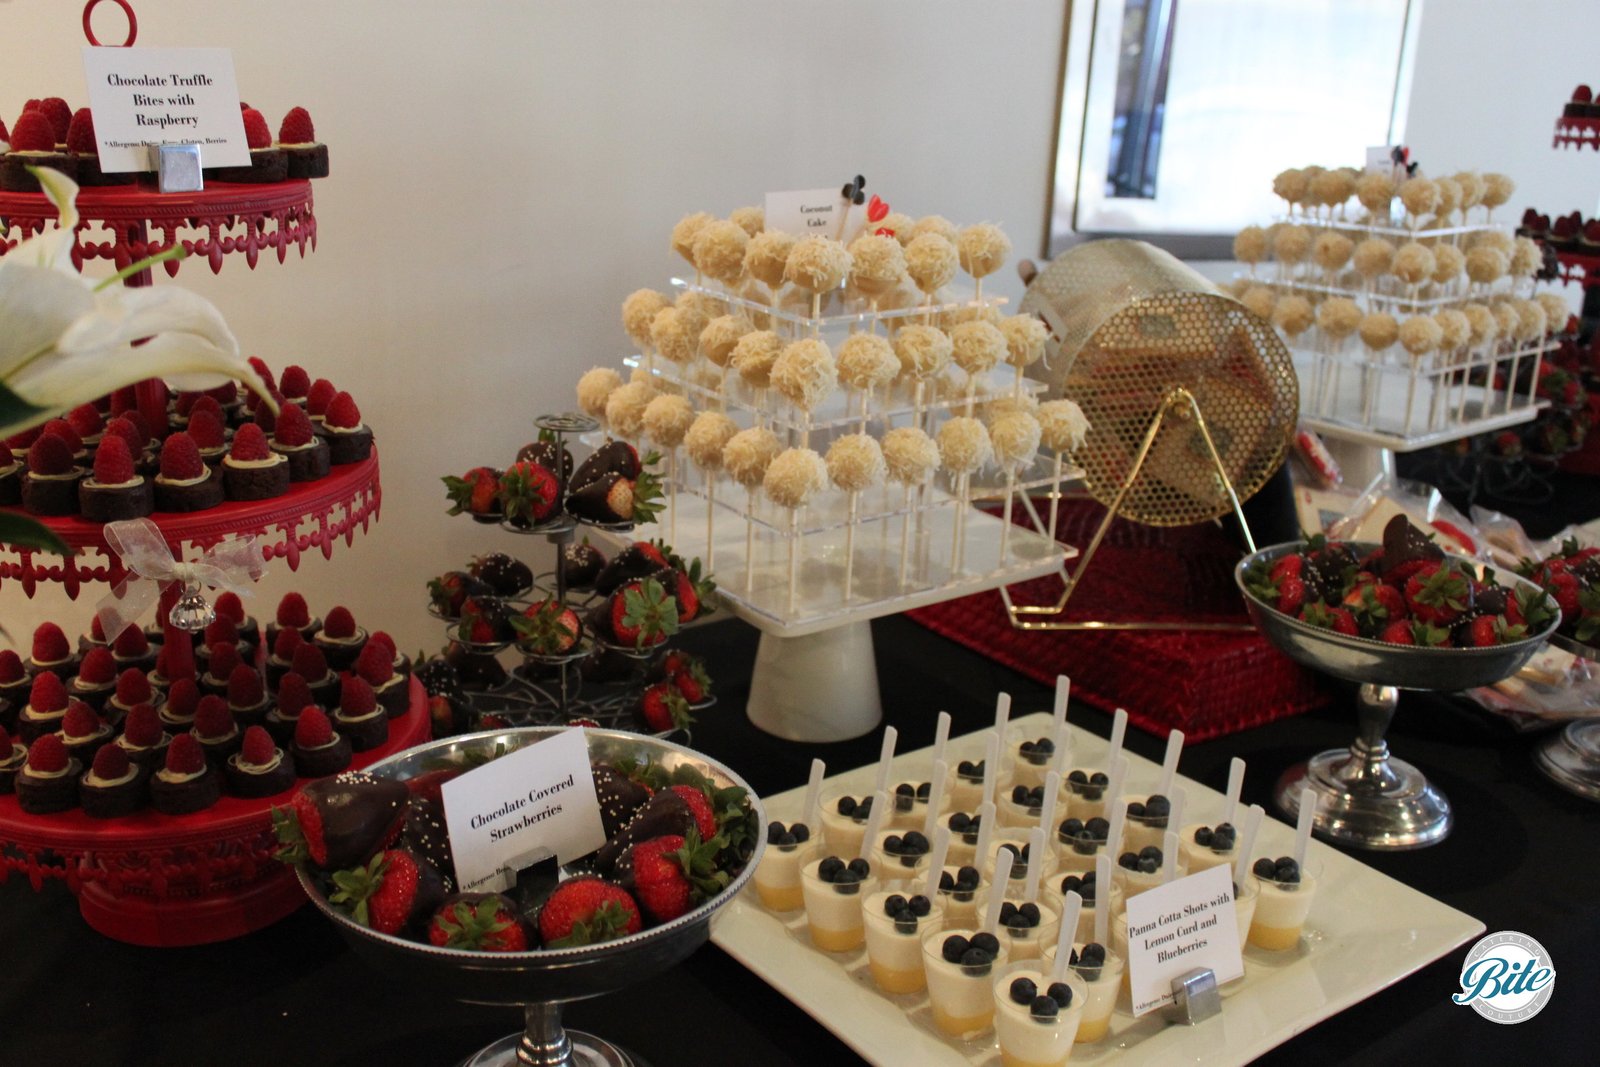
(321, 393)
(47, 755)
(1339, 620)
(663, 708)
(339, 623)
(355, 697)
(131, 643)
(133, 688)
(256, 133)
(1588, 622)
(80, 722)
(85, 420)
(1374, 604)
(50, 455)
(142, 727)
(1565, 588)
(295, 382)
(111, 763)
(32, 133)
(479, 922)
(582, 563)
(206, 429)
(245, 687)
(342, 413)
(180, 458)
(1291, 594)
(1438, 593)
(642, 614)
(296, 128)
(1397, 633)
(484, 620)
(450, 590)
(1529, 607)
(544, 452)
(1288, 566)
(97, 632)
(613, 457)
(613, 500)
(50, 644)
(693, 593)
(340, 821)
(310, 663)
(393, 891)
(312, 729)
(292, 611)
(293, 695)
(476, 493)
(63, 429)
(693, 685)
(286, 644)
(502, 574)
(585, 911)
(375, 665)
(670, 875)
(638, 560)
(548, 628)
(258, 747)
(185, 756)
(47, 693)
(1486, 631)
(674, 662)
(528, 493)
(250, 444)
(705, 817)
(263, 372)
(212, 719)
(99, 667)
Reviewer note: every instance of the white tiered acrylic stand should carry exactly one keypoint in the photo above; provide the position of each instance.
(815, 675)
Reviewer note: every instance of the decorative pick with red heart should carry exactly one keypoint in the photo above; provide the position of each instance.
(876, 209)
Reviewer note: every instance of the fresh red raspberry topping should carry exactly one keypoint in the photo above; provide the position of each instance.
(256, 132)
(222, 631)
(293, 428)
(245, 688)
(321, 394)
(292, 611)
(381, 637)
(283, 648)
(131, 643)
(206, 429)
(50, 455)
(97, 629)
(47, 755)
(342, 412)
(142, 727)
(212, 719)
(224, 658)
(310, 663)
(110, 763)
(11, 668)
(339, 623)
(133, 688)
(80, 133)
(230, 607)
(263, 372)
(47, 694)
(296, 382)
(293, 694)
(86, 421)
(296, 127)
(180, 458)
(50, 644)
(63, 429)
(250, 444)
(32, 133)
(313, 730)
(355, 697)
(80, 722)
(185, 756)
(131, 435)
(112, 463)
(258, 748)
(98, 667)
(59, 112)
(376, 663)
(183, 698)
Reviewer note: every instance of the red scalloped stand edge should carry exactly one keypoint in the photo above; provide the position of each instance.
(1577, 133)
(222, 219)
(1579, 267)
(332, 508)
(170, 881)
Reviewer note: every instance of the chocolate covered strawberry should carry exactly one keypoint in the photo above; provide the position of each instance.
(544, 452)
(1439, 593)
(583, 564)
(586, 911)
(615, 500)
(477, 493)
(528, 494)
(340, 822)
(638, 560)
(548, 628)
(503, 575)
(613, 457)
(393, 891)
(671, 875)
(450, 590)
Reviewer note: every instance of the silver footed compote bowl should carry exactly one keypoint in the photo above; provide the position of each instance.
(1366, 797)
(539, 982)
(1571, 757)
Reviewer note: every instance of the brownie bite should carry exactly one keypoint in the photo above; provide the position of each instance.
(318, 749)
(340, 639)
(306, 156)
(293, 439)
(12, 756)
(51, 652)
(268, 163)
(114, 491)
(143, 738)
(349, 439)
(260, 768)
(48, 780)
(358, 715)
(50, 485)
(252, 470)
(46, 706)
(96, 679)
(185, 783)
(115, 785)
(185, 482)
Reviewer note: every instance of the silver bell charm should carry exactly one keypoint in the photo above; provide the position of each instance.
(192, 612)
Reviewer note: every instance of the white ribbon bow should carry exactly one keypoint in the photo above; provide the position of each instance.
(232, 566)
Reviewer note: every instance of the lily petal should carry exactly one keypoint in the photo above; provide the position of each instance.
(37, 305)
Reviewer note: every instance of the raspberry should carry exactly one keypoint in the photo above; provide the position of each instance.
(245, 689)
(230, 607)
(125, 400)
(310, 663)
(79, 722)
(180, 458)
(97, 629)
(49, 455)
(288, 640)
(48, 754)
(21, 442)
(376, 663)
(110, 763)
(207, 402)
(296, 127)
(142, 727)
(63, 429)
(263, 372)
(380, 637)
(258, 748)
(256, 133)
(50, 644)
(47, 694)
(265, 419)
(184, 404)
(185, 756)
(206, 429)
(250, 444)
(355, 697)
(132, 687)
(222, 631)
(339, 623)
(32, 133)
(342, 412)
(123, 427)
(292, 611)
(212, 719)
(80, 133)
(85, 420)
(322, 391)
(177, 653)
(112, 463)
(183, 698)
(224, 394)
(313, 730)
(131, 643)
(296, 382)
(224, 658)
(293, 695)
(59, 113)
(98, 667)
(11, 668)
(294, 427)
(4, 135)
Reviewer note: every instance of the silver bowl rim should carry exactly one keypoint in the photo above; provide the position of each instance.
(1273, 552)
(553, 956)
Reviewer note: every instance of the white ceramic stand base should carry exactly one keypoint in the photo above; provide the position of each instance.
(819, 687)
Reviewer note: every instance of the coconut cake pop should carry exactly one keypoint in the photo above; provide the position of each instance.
(867, 363)
(1526, 258)
(931, 260)
(976, 347)
(1331, 251)
(910, 459)
(1486, 265)
(684, 233)
(1372, 259)
(625, 409)
(1413, 263)
(752, 220)
(1448, 264)
(766, 256)
(721, 335)
(982, 249)
(1420, 335)
(1260, 300)
(1338, 318)
(1375, 191)
(1015, 439)
(666, 421)
(805, 374)
(1497, 189)
(1293, 315)
(754, 356)
(877, 265)
(675, 335)
(595, 388)
(899, 225)
(1250, 246)
(855, 464)
(1420, 196)
(817, 265)
(1290, 245)
(935, 224)
(1025, 340)
(746, 457)
(964, 447)
(1291, 186)
(791, 480)
(719, 249)
(639, 311)
(1449, 198)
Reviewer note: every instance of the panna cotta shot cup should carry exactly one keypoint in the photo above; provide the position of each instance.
(1085, 885)
(834, 907)
(777, 877)
(901, 856)
(844, 814)
(1078, 843)
(958, 895)
(1203, 847)
(1025, 929)
(960, 978)
(1016, 840)
(1283, 902)
(894, 940)
(1037, 1030)
(1101, 973)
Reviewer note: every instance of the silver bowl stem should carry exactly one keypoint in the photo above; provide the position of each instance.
(544, 1043)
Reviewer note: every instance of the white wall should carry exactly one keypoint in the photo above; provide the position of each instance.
(504, 173)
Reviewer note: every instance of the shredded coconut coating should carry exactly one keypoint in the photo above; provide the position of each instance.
(935, 224)
(1481, 324)
(749, 453)
(625, 408)
(964, 445)
(683, 234)
(1471, 189)
(1291, 243)
(1420, 335)
(983, 248)
(639, 311)
(595, 387)
(977, 346)
(1015, 438)
(817, 264)
(1373, 258)
(1062, 426)
(675, 335)
(1449, 197)
(1291, 185)
(1250, 245)
(1454, 329)
(909, 455)
(767, 254)
(877, 264)
(952, 383)
(1531, 322)
(931, 260)
(667, 419)
(1260, 300)
(1331, 251)
(1376, 193)
(867, 361)
(719, 250)
(855, 462)
(1413, 263)
(1419, 195)
(1526, 258)
(1338, 317)
(1331, 188)
(1448, 263)
(1498, 240)
(949, 320)
(804, 373)
(1497, 189)
(1379, 330)
(707, 437)
(793, 476)
(752, 220)
(754, 356)
(898, 221)
(720, 336)
(923, 351)
(1293, 315)
(1556, 310)
(1008, 404)
(1486, 265)
(1025, 337)
(1506, 319)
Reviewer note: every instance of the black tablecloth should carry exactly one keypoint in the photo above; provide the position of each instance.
(1523, 857)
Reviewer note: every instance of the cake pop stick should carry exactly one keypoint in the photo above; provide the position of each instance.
(1030, 887)
(1071, 908)
(986, 820)
(747, 456)
(1235, 787)
(1063, 758)
(997, 889)
(1169, 762)
(1247, 843)
(855, 463)
(790, 481)
(982, 248)
(707, 437)
(963, 448)
(813, 794)
(1169, 856)
(1015, 439)
(941, 771)
(1102, 897)
(910, 458)
(667, 420)
(941, 852)
(1302, 827)
(875, 820)
(931, 260)
(817, 264)
(885, 757)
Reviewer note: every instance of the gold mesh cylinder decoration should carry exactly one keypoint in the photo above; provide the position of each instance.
(1137, 328)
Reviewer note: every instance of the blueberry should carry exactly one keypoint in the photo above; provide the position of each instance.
(891, 844)
(1008, 911)
(905, 923)
(1094, 953)
(1135, 810)
(905, 789)
(846, 806)
(1015, 924)
(1071, 884)
(904, 801)
(829, 868)
(1286, 864)
(1036, 797)
(1085, 845)
(894, 904)
(1150, 852)
(1203, 837)
(967, 769)
(1098, 827)
(1265, 869)
(1222, 840)
(1099, 778)
(955, 946)
(924, 790)
(859, 867)
(774, 831)
(1226, 826)
(946, 882)
(1030, 912)
(785, 839)
(1157, 807)
(1149, 866)
(1025, 748)
(1130, 860)
(986, 943)
(1077, 778)
(1023, 991)
(1071, 828)
(1043, 1008)
(1087, 893)
(1045, 745)
(847, 881)
(976, 961)
(1289, 875)
(959, 822)
(920, 906)
(968, 878)
(1016, 853)
(863, 809)
(800, 832)
(1060, 994)
(1019, 794)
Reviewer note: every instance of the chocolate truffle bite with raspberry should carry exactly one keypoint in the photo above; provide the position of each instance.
(50, 485)
(48, 780)
(260, 768)
(96, 680)
(185, 482)
(318, 749)
(349, 439)
(114, 786)
(340, 639)
(307, 157)
(293, 439)
(186, 783)
(114, 490)
(143, 738)
(358, 715)
(252, 470)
